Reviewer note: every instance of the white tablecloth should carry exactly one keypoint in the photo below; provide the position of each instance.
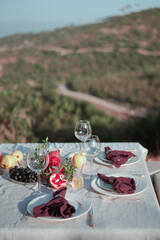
(119, 219)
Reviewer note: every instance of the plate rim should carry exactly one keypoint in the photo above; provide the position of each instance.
(56, 219)
(124, 175)
(98, 179)
(113, 193)
(109, 161)
(128, 163)
(22, 183)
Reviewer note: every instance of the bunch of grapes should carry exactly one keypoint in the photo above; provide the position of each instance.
(22, 174)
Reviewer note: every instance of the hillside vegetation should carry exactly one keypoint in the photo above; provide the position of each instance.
(117, 59)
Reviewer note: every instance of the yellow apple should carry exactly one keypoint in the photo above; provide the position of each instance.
(18, 156)
(8, 161)
(79, 159)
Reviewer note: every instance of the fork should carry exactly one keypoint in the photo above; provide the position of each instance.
(24, 216)
(138, 174)
(119, 198)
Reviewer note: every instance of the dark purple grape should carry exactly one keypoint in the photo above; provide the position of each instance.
(23, 174)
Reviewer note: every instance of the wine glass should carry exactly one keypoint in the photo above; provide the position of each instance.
(83, 131)
(93, 147)
(37, 161)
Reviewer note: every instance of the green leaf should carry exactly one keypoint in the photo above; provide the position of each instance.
(54, 167)
(59, 164)
(47, 174)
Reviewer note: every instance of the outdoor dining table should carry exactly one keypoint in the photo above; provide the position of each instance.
(132, 217)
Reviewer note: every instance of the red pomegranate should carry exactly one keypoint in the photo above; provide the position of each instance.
(55, 161)
(1, 156)
(57, 180)
(55, 156)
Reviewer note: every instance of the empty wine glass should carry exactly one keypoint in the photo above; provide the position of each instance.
(37, 161)
(83, 131)
(93, 147)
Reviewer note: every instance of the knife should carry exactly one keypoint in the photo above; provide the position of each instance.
(24, 216)
(91, 217)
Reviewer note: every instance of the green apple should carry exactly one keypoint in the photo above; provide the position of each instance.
(18, 156)
(79, 159)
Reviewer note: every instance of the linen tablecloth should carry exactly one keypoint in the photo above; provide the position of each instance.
(119, 219)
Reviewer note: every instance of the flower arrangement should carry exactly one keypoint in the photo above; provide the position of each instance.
(58, 172)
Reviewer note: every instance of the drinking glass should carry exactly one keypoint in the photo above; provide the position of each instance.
(77, 180)
(83, 131)
(37, 161)
(93, 147)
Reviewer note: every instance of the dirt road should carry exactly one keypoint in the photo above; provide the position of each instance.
(114, 109)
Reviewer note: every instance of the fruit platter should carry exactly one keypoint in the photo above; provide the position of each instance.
(17, 169)
(58, 173)
(22, 175)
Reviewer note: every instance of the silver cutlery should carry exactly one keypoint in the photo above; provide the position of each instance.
(138, 174)
(91, 217)
(89, 196)
(24, 216)
(134, 174)
(119, 198)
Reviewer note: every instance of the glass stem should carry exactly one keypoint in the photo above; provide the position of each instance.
(91, 167)
(39, 182)
(83, 146)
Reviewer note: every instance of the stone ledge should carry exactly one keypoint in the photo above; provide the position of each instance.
(156, 184)
(153, 167)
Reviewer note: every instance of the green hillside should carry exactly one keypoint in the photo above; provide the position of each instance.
(116, 59)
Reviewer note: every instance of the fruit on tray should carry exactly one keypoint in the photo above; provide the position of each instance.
(24, 175)
(8, 161)
(57, 180)
(18, 155)
(79, 159)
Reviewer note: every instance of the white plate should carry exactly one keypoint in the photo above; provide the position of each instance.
(102, 156)
(98, 186)
(103, 185)
(108, 187)
(102, 160)
(81, 205)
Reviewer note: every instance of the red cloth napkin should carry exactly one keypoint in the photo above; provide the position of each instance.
(121, 184)
(118, 157)
(57, 207)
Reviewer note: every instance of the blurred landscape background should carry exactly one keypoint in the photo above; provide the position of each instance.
(117, 60)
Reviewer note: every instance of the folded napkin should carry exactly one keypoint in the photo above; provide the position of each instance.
(118, 157)
(121, 184)
(57, 207)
